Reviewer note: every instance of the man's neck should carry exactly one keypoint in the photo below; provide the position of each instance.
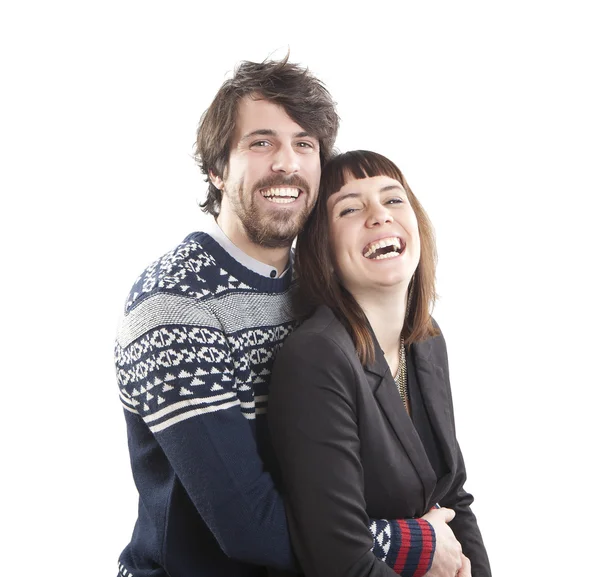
(278, 258)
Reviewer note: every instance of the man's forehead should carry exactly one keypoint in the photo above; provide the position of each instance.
(259, 116)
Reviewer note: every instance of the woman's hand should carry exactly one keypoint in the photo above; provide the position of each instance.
(448, 557)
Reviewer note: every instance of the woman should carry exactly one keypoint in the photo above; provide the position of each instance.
(360, 408)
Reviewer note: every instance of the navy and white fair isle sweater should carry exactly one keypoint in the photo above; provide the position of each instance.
(193, 358)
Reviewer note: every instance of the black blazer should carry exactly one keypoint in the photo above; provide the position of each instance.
(348, 451)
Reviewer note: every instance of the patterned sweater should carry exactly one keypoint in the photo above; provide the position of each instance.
(193, 356)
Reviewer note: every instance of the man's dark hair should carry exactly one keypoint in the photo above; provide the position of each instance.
(303, 97)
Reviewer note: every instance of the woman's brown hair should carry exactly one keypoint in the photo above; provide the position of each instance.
(317, 282)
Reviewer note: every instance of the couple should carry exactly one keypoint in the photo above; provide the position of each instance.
(356, 469)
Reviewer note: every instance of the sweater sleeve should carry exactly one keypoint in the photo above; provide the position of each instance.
(315, 435)
(405, 545)
(180, 380)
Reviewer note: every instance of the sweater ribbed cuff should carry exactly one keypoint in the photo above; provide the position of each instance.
(413, 547)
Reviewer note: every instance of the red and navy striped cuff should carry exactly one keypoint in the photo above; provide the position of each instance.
(412, 547)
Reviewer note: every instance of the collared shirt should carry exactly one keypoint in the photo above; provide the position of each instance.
(214, 230)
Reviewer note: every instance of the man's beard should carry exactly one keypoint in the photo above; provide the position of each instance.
(270, 230)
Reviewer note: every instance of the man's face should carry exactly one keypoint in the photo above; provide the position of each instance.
(271, 182)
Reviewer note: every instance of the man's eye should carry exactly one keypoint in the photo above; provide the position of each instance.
(260, 143)
(306, 145)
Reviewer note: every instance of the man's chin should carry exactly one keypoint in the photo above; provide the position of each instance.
(272, 235)
(274, 238)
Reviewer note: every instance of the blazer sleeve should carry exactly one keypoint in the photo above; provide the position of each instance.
(464, 525)
(312, 418)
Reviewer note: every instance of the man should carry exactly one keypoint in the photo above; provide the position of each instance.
(200, 330)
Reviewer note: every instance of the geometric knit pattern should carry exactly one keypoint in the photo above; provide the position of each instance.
(196, 339)
(194, 350)
(382, 538)
(406, 545)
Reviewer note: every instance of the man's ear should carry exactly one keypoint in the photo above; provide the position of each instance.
(216, 180)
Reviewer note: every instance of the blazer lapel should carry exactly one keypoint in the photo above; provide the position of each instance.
(384, 389)
(435, 392)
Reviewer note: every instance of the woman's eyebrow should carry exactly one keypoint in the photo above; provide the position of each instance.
(389, 187)
(383, 189)
(344, 197)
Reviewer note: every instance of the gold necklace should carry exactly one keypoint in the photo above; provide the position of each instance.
(400, 376)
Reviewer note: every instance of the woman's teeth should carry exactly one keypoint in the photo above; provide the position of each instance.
(378, 250)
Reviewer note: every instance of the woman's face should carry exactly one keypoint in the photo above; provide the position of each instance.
(373, 233)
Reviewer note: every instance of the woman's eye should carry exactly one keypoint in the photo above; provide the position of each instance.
(395, 200)
(347, 211)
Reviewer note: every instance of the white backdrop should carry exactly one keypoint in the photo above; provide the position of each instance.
(490, 109)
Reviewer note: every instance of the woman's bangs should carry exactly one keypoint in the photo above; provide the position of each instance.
(356, 165)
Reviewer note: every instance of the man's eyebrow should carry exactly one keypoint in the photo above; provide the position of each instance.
(270, 132)
(259, 132)
(304, 134)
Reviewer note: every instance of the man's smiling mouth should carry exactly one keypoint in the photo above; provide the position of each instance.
(280, 194)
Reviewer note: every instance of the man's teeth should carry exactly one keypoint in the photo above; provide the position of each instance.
(280, 200)
(280, 195)
(393, 242)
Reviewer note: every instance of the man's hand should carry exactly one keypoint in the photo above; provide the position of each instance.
(465, 570)
(448, 557)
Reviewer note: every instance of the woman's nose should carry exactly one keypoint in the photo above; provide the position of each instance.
(378, 215)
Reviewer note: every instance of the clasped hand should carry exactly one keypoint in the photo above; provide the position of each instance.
(448, 560)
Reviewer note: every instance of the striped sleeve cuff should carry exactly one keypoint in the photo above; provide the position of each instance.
(412, 546)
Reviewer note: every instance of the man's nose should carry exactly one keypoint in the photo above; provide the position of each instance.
(286, 160)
